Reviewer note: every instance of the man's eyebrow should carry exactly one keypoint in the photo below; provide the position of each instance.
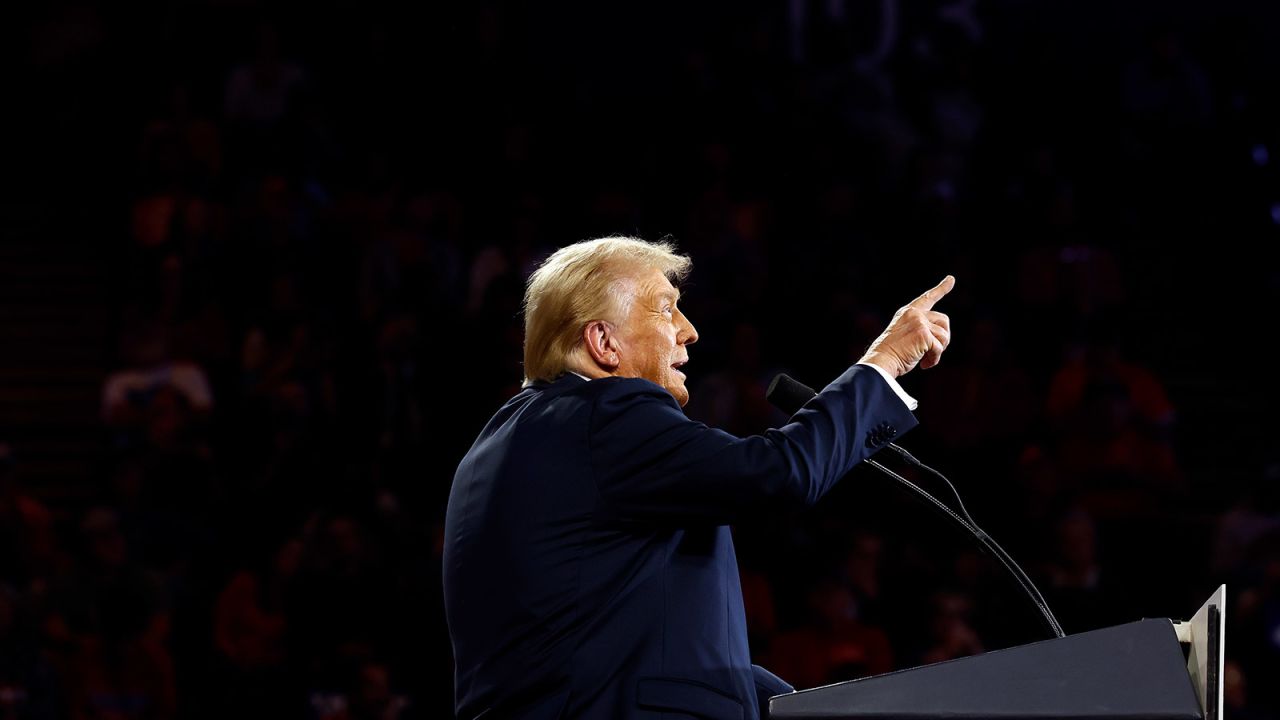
(670, 294)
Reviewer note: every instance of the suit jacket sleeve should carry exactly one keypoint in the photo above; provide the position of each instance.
(652, 462)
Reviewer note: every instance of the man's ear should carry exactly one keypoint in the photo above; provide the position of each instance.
(602, 344)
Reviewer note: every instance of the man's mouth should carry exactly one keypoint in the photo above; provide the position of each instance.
(676, 366)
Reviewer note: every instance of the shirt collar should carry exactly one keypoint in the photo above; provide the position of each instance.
(541, 384)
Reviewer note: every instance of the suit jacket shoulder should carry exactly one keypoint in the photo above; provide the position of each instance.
(649, 460)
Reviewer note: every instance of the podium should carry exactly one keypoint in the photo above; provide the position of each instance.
(1154, 669)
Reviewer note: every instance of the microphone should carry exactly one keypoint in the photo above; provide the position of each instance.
(791, 395)
(788, 394)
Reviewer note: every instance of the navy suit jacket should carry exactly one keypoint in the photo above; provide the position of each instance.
(589, 570)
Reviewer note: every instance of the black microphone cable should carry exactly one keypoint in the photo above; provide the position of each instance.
(983, 537)
(987, 542)
(790, 395)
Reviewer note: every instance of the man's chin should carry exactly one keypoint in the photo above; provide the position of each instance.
(680, 394)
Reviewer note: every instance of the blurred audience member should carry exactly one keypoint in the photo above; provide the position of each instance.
(27, 544)
(28, 687)
(835, 645)
(110, 624)
(154, 398)
(951, 632)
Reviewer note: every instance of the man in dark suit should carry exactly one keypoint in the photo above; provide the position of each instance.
(589, 569)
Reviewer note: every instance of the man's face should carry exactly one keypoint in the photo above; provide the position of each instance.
(653, 336)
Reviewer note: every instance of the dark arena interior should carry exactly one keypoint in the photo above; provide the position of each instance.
(261, 271)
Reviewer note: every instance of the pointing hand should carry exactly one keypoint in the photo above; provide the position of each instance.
(917, 334)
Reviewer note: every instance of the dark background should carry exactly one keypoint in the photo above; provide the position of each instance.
(260, 280)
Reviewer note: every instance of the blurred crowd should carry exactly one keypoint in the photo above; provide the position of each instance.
(324, 218)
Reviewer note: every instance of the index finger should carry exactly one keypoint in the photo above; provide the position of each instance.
(934, 294)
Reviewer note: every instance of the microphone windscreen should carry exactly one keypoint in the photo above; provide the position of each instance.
(788, 394)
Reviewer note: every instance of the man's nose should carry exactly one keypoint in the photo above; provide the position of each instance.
(690, 333)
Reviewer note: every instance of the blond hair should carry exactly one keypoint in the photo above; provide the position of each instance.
(582, 282)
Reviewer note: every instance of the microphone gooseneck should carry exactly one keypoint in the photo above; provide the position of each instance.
(790, 396)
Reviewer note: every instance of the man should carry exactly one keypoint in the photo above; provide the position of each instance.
(589, 571)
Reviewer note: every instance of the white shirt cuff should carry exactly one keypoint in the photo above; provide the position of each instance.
(906, 399)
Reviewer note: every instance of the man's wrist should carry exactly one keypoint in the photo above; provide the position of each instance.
(906, 399)
(883, 362)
